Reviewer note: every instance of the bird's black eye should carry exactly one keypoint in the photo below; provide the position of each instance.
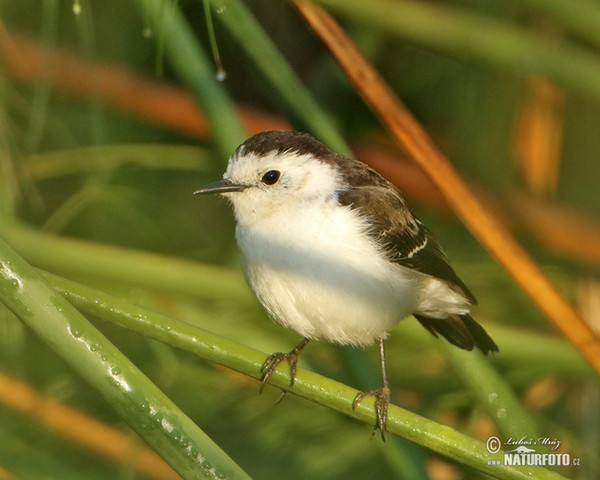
(271, 177)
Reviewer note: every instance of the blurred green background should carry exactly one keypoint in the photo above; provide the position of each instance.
(507, 90)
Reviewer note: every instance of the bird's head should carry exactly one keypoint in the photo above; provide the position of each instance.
(274, 171)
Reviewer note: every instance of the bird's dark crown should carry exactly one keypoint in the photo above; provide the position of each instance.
(353, 172)
(284, 141)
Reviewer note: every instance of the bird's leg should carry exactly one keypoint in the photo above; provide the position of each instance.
(382, 397)
(276, 358)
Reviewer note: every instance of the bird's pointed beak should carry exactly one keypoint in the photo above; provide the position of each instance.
(221, 186)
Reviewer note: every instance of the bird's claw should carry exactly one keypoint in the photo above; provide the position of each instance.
(382, 400)
(273, 361)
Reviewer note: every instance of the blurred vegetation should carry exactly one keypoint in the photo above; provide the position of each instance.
(97, 188)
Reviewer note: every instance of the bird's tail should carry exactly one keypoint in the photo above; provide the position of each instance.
(460, 330)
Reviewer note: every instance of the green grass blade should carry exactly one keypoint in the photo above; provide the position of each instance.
(90, 160)
(61, 254)
(440, 438)
(147, 410)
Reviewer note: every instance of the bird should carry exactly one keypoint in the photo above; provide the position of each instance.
(331, 250)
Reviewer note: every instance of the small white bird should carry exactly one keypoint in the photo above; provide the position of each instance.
(331, 251)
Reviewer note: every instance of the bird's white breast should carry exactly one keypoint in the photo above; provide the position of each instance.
(315, 270)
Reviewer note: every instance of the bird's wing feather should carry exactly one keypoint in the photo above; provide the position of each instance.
(407, 241)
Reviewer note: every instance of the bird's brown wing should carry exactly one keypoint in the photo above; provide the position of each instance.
(405, 239)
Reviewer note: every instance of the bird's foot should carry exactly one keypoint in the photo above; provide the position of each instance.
(275, 359)
(271, 364)
(382, 400)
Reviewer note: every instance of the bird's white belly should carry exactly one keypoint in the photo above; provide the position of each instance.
(326, 280)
